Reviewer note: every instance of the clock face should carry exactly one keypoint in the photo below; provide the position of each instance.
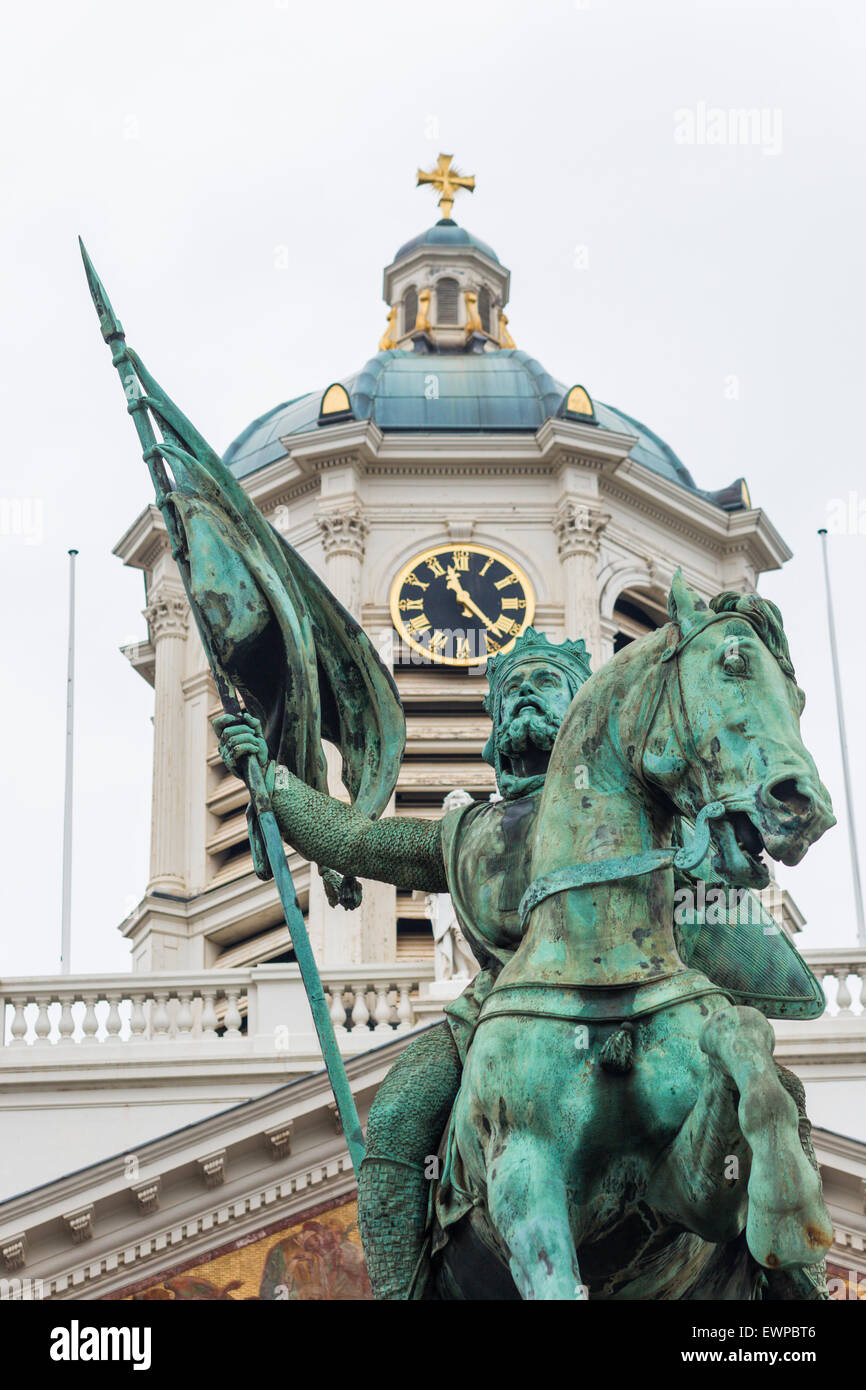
(459, 605)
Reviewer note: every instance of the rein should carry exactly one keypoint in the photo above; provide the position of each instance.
(651, 860)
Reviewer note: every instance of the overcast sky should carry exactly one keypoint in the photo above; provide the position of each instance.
(714, 291)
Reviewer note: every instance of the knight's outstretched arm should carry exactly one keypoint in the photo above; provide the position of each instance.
(402, 850)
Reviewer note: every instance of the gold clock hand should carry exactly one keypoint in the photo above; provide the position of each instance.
(452, 582)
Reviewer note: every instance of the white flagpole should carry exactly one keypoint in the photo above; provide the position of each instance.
(846, 775)
(65, 916)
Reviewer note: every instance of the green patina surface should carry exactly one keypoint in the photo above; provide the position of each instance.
(566, 893)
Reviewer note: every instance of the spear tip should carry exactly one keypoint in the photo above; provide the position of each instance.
(109, 323)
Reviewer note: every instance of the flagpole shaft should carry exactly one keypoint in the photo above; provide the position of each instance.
(307, 965)
(843, 741)
(66, 902)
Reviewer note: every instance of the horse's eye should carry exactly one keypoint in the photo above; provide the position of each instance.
(735, 665)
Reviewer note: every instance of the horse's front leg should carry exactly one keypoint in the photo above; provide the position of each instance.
(787, 1222)
(701, 1182)
(516, 1138)
(527, 1203)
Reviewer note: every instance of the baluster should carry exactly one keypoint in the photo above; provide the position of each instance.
(860, 972)
(404, 1009)
(209, 1020)
(90, 1026)
(843, 994)
(137, 1020)
(232, 1014)
(42, 1026)
(382, 1012)
(338, 1009)
(184, 1019)
(159, 1022)
(19, 1022)
(66, 1026)
(112, 1023)
(820, 973)
(360, 1012)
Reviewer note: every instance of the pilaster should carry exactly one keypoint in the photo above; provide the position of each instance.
(369, 933)
(167, 615)
(578, 525)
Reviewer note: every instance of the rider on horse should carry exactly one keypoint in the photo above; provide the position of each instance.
(480, 853)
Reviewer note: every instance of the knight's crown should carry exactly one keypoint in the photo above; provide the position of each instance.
(571, 657)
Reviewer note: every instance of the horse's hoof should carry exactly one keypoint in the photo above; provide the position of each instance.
(780, 1240)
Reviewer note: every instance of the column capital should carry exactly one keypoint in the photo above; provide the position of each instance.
(344, 530)
(578, 526)
(167, 614)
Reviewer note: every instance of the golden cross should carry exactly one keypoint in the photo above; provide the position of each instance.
(446, 181)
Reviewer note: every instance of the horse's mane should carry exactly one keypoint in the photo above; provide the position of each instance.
(765, 618)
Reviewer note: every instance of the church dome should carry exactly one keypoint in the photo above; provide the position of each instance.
(490, 392)
(447, 363)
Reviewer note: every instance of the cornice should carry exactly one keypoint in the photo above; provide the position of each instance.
(119, 1208)
(674, 508)
(850, 1152)
(145, 540)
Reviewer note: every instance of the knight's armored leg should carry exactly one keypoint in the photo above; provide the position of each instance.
(404, 1128)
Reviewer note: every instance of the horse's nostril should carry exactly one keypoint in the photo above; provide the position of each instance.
(789, 794)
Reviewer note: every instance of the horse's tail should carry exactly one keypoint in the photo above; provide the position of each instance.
(618, 1050)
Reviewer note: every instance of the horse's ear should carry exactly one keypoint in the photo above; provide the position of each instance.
(684, 604)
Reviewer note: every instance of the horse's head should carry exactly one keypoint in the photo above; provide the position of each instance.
(733, 733)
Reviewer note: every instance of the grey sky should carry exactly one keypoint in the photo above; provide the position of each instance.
(189, 142)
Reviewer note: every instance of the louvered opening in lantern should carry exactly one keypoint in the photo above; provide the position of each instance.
(446, 301)
(410, 309)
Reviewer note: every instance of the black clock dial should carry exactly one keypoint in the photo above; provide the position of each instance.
(459, 605)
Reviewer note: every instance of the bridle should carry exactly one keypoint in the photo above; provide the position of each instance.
(648, 861)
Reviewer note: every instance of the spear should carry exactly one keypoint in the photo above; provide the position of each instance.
(152, 452)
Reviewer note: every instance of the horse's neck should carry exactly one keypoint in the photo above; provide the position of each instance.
(594, 806)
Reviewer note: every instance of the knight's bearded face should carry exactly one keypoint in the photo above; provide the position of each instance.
(534, 701)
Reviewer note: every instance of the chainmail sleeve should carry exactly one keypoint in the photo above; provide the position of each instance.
(402, 850)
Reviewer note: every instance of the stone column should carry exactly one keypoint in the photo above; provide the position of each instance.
(578, 526)
(369, 934)
(167, 615)
(344, 535)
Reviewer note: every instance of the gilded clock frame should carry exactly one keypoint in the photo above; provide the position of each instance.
(488, 551)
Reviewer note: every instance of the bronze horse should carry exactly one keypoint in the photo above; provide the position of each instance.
(622, 1130)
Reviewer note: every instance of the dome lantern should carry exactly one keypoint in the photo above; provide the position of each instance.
(445, 289)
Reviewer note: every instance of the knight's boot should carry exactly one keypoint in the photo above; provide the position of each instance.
(404, 1129)
(392, 1218)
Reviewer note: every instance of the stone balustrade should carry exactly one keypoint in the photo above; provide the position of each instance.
(842, 973)
(264, 1007)
(260, 1007)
